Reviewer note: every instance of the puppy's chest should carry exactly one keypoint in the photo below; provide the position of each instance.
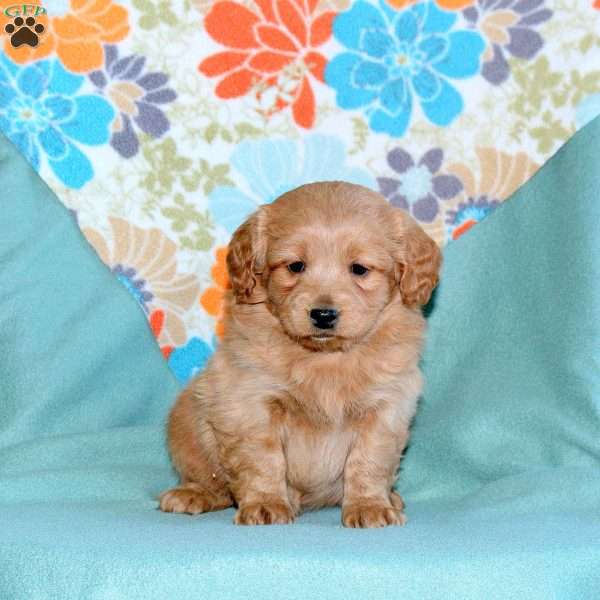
(315, 459)
(329, 392)
(330, 397)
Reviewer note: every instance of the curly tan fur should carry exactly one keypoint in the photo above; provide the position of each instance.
(284, 419)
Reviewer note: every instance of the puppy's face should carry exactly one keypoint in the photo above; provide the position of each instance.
(328, 283)
(327, 258)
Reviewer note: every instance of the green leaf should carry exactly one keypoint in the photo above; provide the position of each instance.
(559, 98)
(583, 86)
(210, 133)
(181, 164)
(203, 242)
(247, 130)
(226, 136)
(591, 82)
(149, 181)
(549, 134)
(537, 83)
(209, 186)
(186, 242)
(520, 78)
(147, 153)
(360, 131)
(167, 15)
(170, 213)
(220, 170)
(200, 240)
(190, 183)
(163, 165)
(585, 43)
(196, 226)
(148, 22)
(143, 5)
(168, 146)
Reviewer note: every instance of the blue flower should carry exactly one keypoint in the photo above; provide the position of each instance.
(188, 360)
(469, 213)
(268, 168)
(42, 113)
(395, 55)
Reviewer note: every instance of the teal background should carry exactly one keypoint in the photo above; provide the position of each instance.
(502, 477)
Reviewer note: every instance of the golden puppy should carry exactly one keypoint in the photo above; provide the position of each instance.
(308, 400)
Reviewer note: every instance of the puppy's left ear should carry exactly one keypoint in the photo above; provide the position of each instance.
(418, 259)
(246, 259)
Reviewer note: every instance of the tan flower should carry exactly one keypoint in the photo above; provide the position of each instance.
(495, 27)
(145, 262)
(335, 5)
(500, 174)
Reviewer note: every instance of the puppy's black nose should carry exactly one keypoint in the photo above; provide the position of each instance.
(324, 318)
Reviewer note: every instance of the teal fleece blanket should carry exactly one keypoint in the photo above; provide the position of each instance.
(502, 477)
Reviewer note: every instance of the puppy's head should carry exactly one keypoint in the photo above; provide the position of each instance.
(327, 258)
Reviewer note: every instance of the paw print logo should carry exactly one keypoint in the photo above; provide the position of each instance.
(24, 31)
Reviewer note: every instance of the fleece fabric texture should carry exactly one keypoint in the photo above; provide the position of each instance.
(501, 480)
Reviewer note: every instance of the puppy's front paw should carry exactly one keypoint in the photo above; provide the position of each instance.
(371, 515)
(396, 500)
(264, 513)
(185, 500)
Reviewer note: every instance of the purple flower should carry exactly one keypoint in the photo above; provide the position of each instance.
(136, 95)
(129, 277)
(420, 186)
(508, 26)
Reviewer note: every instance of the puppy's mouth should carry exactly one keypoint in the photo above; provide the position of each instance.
(323, 342)
(322, 337)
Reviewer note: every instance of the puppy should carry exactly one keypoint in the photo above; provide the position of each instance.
(308, 400)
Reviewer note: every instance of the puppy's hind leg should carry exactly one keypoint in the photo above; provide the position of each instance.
(193, 453)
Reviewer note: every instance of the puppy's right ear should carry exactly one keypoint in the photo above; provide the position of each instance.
(246, 259)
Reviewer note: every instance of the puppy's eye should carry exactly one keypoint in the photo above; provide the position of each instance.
(296, 267)
(359, 269)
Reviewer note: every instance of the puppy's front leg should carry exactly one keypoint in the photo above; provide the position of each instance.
(369, 476)
(257, 469)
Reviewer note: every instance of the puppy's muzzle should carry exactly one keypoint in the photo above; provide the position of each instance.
(324, 318)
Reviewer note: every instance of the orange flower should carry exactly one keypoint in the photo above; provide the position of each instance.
(597, 4)
(454, 4)
(462, 229)
(398, 4)
(212, 299)
(76, 37)
(157, 320)
(271, 48)
(446, 4)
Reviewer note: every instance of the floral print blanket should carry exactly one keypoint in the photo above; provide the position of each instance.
(162, 125)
